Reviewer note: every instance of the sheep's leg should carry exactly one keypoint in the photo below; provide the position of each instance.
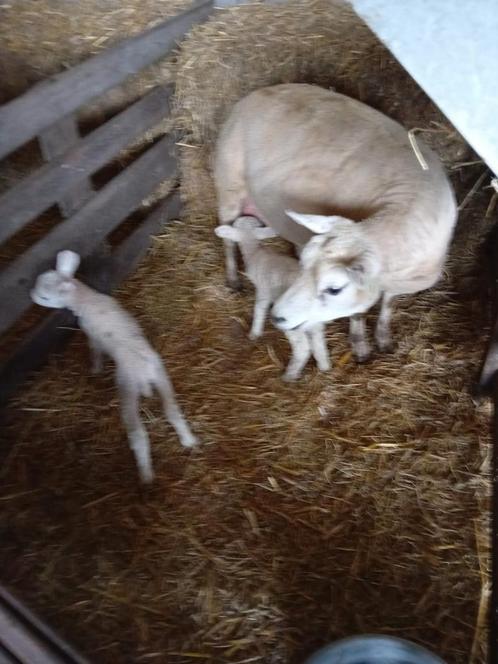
(358, 338)
(383, 327)
(232, 274)
(319, 348)
(261, 306)
(301, 353)
(173, 412)
(490, 366)
(97, 356)
(137, 435)
(231, 193)
(229, 208)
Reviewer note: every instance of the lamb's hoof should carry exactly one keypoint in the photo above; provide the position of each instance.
(290, 377)
(190, 441)
(323, 368)
(146, 477)
(254, 337)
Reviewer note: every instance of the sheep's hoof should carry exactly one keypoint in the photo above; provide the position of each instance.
(385, 346)
(254, 337)
(323, 368)
(235, 285)
(362, 357)
(480, 391)
(361, 350)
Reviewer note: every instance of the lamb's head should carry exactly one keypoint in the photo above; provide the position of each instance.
(54, 289)
(339, 275)
(245, 229)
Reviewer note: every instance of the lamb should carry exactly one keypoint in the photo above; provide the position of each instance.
(272, 273)
(113, 331)
(341, 182)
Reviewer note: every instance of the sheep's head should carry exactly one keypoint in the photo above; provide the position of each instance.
(339, 275)
(54, 289)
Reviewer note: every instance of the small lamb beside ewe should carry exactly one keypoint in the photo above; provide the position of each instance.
(271, 274)
(113, 331)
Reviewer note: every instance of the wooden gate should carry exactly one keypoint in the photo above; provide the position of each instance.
(49, 113)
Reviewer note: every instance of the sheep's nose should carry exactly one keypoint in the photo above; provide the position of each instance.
(278, 320)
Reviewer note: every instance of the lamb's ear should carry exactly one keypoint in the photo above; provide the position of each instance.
(264, 233)
(317, 223)
(227, 232)
(67, 263)
(364, 267)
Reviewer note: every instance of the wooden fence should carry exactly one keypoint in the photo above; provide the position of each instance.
(49, 113)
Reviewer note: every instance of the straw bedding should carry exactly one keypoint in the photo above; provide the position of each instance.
(348, 503)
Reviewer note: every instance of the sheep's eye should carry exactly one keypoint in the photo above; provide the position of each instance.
(333, 291)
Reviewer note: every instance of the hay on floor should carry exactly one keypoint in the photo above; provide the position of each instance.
(348, 503)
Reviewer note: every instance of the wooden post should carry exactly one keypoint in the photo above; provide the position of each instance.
(54, 142)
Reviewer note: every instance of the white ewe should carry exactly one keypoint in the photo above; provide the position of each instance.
(305, 161)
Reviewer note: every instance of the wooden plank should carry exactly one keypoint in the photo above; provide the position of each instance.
(7, 658)
(25, 117)
(39, 191)
(493, 609)
(130, 252)
(27, 648)
(56, 141)
(87, 228)
(25, 638)
(32, 353)
(52, 334)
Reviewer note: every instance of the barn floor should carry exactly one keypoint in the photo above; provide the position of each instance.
(347, 503)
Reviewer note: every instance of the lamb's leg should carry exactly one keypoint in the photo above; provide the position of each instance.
(301, 352)
(319, 348)
(137, 435)
(173, 413)
(97, 356)
(358, 338)
(383, 327)
(261, 306)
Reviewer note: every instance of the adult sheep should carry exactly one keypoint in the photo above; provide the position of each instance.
(341, 182)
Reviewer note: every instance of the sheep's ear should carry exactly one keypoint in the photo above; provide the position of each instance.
(364, 267)
(316, 223)
(264, 233)
(67, 263)
(227, 232)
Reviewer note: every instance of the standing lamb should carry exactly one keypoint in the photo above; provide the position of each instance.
(112, 331)
(271, 274)
(305, 161)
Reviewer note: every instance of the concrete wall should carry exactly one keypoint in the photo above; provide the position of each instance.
(450, 47)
